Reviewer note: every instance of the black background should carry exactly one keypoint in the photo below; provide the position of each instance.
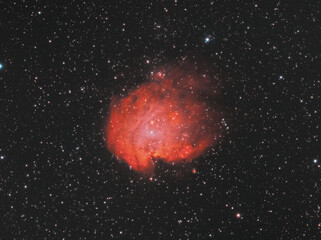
(63, 62)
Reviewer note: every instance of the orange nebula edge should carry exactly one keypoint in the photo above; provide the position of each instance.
(164, 119)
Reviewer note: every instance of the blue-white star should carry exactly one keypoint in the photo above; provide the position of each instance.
(207, 40)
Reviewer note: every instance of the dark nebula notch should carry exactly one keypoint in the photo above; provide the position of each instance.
(171, 118)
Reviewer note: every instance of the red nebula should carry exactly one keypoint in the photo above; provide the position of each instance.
(167, 118)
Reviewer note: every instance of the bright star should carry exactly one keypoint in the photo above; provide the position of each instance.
(1, 66)
(207, 39)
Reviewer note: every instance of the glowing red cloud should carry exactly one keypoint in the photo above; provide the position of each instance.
(166, 118)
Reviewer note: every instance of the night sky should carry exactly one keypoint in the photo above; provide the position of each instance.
(62, 63)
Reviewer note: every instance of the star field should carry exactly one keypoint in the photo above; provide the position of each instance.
(61, 63)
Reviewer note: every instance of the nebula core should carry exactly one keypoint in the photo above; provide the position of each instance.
(169, 118)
